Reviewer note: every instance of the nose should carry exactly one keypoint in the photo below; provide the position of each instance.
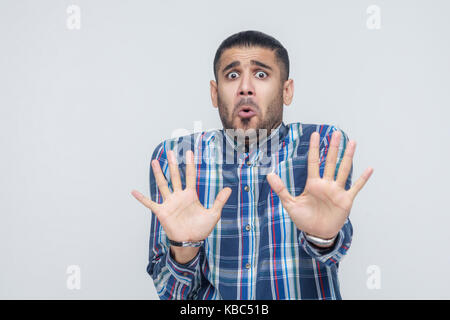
(246, 86)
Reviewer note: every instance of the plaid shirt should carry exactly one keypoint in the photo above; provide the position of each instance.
(255, 251)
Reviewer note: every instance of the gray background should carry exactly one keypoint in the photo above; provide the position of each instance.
(82, 110)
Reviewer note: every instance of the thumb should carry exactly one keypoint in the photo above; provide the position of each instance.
(146, 202)
(280, 189)
(221, 199)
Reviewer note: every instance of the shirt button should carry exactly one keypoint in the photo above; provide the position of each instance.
(246, 188)
(248, 227)
(247, 266)
(249, 163)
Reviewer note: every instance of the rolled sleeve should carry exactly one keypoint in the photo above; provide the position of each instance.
(184, 273)
(334, 254)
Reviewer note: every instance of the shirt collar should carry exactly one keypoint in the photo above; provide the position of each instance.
(265, 145)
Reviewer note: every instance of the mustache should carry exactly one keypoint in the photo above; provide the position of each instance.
(246, 102)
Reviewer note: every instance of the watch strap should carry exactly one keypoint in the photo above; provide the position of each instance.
(186, 243)
(320, 241)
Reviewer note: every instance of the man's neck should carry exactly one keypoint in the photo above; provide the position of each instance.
(274, 128)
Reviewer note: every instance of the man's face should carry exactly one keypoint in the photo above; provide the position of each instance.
(250, 93)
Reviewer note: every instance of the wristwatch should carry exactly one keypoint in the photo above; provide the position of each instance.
(187, 243)
(320, 241)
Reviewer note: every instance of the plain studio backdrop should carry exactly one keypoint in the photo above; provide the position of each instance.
(89, 88)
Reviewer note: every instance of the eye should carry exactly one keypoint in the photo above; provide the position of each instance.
(232, 72)
(261, 72)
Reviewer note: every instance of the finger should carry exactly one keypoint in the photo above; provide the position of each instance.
(359, 184)
(313, 156)
(221, 199)
(160, 179)
(174, 173)
(330, 162)
(280, 189)
(146, 201)
(346, 164)
(190, 170)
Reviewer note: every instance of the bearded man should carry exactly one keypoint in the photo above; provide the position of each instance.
(258, 209)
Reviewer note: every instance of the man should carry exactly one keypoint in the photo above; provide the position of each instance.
(258, 210)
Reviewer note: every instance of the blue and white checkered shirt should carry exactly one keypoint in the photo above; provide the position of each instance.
(255, 251)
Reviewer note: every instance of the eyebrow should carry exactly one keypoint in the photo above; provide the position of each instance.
(238, 63)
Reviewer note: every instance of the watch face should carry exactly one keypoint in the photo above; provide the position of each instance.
(186, 243)
(195, 244)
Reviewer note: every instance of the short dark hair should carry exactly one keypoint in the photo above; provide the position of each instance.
(252, 38)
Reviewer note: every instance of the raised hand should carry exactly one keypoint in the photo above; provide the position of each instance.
(181, 214)
(324, 205)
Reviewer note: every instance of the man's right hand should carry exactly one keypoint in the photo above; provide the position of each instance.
(181, 214)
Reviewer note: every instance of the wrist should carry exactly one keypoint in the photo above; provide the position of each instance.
(183, 255)
(321, 242)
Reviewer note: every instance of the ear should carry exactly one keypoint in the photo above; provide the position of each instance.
(213, 89)
(288, 91)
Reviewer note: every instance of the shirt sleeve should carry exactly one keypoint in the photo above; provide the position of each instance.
(173, 281)
(334, 254)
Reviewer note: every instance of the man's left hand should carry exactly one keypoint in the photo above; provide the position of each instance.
(324, 205)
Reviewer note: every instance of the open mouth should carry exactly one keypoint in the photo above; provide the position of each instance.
(246, 113)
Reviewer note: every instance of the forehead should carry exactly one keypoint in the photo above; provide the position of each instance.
(245, 54)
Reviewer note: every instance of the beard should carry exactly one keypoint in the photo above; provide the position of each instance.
(267, 122)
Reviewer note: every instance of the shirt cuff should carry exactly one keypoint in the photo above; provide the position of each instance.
(184, 273)
(330, 255)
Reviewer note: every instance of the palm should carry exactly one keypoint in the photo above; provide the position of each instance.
(324, 205)
(188, 219)
(181, 214)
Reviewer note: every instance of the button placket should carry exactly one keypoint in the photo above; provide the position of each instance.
(247, 227)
